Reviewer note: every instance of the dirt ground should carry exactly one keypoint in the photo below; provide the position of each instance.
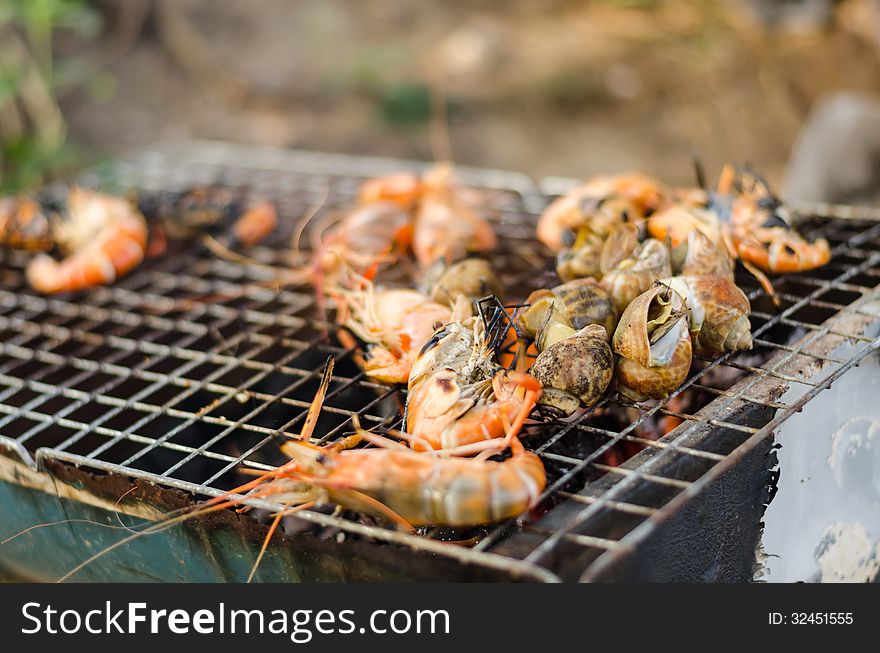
(545, 87)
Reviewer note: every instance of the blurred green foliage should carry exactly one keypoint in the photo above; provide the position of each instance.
(33, 133)
(405, 105)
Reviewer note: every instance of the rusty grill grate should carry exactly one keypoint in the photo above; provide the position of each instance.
(131, 380)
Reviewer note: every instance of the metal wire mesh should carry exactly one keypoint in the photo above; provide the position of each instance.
(181, 373)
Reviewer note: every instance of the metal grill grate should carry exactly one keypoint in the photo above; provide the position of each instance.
(132, 380)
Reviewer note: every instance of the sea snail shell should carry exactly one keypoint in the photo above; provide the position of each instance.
(575, 371)
(718, 313)
(653, 344)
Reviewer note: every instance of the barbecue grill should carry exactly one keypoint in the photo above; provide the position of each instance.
(120, 404)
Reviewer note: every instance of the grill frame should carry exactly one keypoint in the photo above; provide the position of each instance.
(506, 549)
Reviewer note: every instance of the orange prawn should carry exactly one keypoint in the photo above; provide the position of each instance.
(210, 210)
(403, 188)
(758, 228)
(395, 323)
(743, 217)
(369, 236)
(25, 223)
(428, 216)
(446, 227)
(460, 398)
(600, 203)
(104, 238)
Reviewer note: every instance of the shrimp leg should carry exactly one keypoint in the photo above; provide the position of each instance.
(289, 510)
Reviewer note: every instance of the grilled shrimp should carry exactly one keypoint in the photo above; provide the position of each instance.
(420, 489)
(758, 228)
(213, 210)
(413, 488)
(447, 227)
(369, 236)
(104, 237)
(404, 189)
(772, 246)
(430, 216)
(398, 322)
(394, 322)
(400, 485)
(375, 232)
(602, 203)
(674, 223)
(389, 482)
(744, 216)
(25, 224)
(780, 250)
(459, 395)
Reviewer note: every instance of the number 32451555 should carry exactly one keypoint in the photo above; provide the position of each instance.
(814, 618)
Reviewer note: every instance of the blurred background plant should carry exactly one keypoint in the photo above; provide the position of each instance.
(33, 131)
(567, 87)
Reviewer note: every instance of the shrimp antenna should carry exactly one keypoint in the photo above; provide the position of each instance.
(482, 306)
(758, 179)
(304, 221)
(489, 324)
(500, 318)
(478, 305)
(314, 409)
(504, 312)
(318, 402)
(699, 172)
(514, 309)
